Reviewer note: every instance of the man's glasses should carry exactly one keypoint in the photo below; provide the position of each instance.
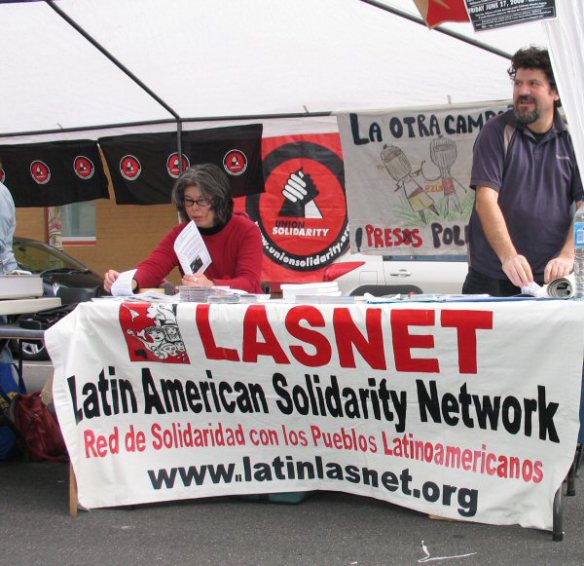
(202, 202)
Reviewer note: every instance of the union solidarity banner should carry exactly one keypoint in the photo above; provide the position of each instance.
(53, 174)
(144, 167)
(407, 178)
(423, 405)
(302, 214)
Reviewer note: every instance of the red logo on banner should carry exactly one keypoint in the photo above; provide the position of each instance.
(84, 167)
(152, 333)
(2, 175)
(172, 164)
(235, 162)
(40, 172)
(302, 214)
(130, 167)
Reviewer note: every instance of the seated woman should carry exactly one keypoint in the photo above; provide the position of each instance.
(202, 194)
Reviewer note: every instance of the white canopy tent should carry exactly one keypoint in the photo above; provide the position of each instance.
(566, 43)
(217, 60)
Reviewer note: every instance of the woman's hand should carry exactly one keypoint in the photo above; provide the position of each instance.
(109, 280)
(196, 281)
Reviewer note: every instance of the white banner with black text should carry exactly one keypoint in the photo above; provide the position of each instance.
(467, 410)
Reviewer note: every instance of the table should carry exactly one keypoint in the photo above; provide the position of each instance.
(24, 306)
(14, 331)
(450, 409)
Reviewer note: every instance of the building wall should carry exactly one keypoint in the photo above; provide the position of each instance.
(125, 234)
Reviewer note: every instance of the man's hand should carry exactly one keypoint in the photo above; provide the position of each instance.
(518, 270)
(557, 267)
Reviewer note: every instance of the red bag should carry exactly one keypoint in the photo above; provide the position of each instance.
(38, 428)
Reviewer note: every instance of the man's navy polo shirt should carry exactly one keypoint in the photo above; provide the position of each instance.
(537, 184)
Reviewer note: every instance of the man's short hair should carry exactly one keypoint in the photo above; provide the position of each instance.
(532, 58)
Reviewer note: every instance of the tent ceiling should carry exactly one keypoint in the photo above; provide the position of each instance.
(208, 58)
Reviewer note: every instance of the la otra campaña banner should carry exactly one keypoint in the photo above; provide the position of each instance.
(303, 213)
(465, 410)
(407, 178)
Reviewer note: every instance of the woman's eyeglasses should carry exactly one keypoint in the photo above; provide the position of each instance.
(202, 202)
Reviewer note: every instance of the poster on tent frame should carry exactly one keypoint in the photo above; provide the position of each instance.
(407, 175)
(488, 15)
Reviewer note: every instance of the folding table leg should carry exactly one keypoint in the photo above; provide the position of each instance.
(557, 532)
(72, 492)
(571, 477)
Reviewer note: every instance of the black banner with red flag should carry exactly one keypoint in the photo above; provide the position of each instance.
(144, 167)
(53, 174)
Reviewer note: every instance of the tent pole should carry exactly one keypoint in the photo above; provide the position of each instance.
(115, 61)
(179, 145)
(439, 29)
(125, 70)
(167, 121)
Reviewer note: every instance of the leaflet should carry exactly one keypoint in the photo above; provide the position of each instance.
(191, 250)
(561, 288)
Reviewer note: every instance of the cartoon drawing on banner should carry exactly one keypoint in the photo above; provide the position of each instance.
(398, 166)
(152, 333)
(443, 154)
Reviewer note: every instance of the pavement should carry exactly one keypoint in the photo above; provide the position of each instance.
(328, 528)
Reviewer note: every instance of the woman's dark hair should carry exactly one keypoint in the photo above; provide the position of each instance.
(213, 184)
(533, 58)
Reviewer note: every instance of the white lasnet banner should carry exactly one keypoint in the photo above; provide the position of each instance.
(407, 175)
(465, 410)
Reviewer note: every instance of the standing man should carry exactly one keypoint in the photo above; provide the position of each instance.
(526, 180)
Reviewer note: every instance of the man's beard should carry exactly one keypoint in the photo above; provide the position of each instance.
(524, 117)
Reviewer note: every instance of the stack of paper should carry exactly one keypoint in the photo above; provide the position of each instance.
(208, 294)
(328, 289)
(224, 299)
(324, 299)
(18, 285)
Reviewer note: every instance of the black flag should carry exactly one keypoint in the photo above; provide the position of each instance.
(53, 174)
(144, 167)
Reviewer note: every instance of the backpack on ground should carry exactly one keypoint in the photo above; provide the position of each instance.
(26, 423)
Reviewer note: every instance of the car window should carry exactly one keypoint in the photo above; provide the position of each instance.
(34, 258)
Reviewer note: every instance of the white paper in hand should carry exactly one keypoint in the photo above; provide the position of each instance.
(191, 250)
(533, 289)
(122, 286)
